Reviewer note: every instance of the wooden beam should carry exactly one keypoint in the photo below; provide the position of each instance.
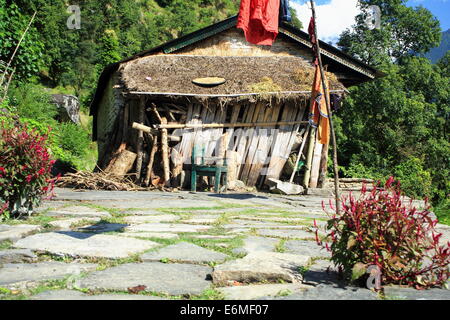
(152, 131)
(228, 125)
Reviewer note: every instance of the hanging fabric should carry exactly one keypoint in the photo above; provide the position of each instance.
(259, 20)
(312, 38)
(318, 116)
(285, 11)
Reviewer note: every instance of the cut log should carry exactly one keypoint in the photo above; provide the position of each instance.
(121, 163)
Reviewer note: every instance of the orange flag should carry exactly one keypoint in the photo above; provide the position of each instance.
(318, 116)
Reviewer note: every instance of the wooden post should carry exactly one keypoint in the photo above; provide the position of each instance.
(309, 157)
(140, 141)
(149, 174)
(323, 167)
(330, 117)
(165, 154)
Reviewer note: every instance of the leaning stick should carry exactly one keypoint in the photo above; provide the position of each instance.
(333, 135)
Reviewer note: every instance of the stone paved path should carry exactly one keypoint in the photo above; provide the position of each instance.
(100, 245)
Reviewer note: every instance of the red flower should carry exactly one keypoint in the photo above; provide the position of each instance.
(29, 177)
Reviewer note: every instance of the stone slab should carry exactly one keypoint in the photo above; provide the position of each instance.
(78, 211)
(277, 219)
(185, 252)
(307, 248)
(166, 227)
(159, 235)
(286, 234)
(261, 266)
(141, 212)
(202, 220)
(208, 236)
(12, 274)
(239, 223)
(257, 291)
(77, 295)
(327, 292)
(257, 244)
(17, 255)
(80, 244)
(170, 278)
(151, 218)
(401, 293)
(103, 227)
(66, 224)
(322, 272)
(16, 232)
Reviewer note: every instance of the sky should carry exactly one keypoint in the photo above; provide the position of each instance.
(334, 16)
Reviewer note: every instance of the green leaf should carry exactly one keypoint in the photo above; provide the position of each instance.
(358, 270)
(351, 242)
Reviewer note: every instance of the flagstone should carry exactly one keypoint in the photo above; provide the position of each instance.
(80, 244)
(185, 252)
(169, 278)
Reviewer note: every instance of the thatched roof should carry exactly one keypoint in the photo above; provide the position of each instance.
(174, 74)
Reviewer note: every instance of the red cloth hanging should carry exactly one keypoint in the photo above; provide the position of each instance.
(259, 20)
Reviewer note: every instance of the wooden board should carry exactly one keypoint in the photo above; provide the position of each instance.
(316, 164)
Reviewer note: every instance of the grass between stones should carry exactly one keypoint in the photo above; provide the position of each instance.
(6, 245)
(280, 246)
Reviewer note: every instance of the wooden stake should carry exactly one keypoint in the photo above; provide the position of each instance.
(333, 135)
(165, 154)
(149, 174)
(305, 137)
(309, 156)
(140, 142)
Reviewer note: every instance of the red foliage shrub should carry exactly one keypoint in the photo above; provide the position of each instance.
(25, 170)
(380, 229)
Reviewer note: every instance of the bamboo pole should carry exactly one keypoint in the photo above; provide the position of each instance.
(333, 135)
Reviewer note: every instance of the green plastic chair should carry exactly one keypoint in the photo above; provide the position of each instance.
(219, 172)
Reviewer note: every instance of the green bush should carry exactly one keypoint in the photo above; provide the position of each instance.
(33, 102)
(66, 142)
(416, 181)
(378, 229)
(25, 170)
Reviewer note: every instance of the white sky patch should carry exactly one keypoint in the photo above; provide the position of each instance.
(332, 17)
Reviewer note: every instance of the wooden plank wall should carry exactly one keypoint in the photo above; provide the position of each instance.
(260, 151)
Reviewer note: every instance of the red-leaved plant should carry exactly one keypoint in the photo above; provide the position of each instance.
(381, 229)
(25, 170)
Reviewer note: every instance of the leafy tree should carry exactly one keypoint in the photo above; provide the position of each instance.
(404, 31)
(13, 23)
(397, 124)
